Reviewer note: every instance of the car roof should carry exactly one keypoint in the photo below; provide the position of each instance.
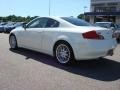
(56, 17)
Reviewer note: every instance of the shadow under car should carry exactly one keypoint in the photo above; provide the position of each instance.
(102, 69)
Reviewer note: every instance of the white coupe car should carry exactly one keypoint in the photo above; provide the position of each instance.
(66, 38)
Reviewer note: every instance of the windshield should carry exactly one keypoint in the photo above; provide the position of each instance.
(77, 22)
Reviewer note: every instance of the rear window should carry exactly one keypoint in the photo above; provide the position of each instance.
(77, 22)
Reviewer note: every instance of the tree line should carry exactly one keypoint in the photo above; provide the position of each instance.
(15, 18)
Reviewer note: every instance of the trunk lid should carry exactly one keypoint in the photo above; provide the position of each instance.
(107, 34)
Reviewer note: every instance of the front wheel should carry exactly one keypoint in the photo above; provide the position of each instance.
(64, 53)
(13, 42)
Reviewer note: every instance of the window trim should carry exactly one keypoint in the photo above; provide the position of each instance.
(53, 20)
(47, 20)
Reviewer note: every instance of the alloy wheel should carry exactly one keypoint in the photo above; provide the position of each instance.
(63, 53)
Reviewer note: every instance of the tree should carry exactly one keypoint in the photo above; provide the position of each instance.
(82, 16)
(14, 18)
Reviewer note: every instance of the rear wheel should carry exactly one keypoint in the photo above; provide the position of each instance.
(118, 40)
(13, 42)
(64, 53)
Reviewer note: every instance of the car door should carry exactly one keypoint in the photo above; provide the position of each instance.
(31, 37)
(49, 35)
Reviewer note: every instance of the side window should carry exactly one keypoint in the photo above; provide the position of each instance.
(33, 24)
(52, 23)
(38, 23)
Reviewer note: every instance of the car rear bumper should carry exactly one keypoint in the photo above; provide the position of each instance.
(92, 49)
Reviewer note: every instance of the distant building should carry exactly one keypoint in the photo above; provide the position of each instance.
(104, 10)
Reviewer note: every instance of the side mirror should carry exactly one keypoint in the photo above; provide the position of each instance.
(112, 28)
(24, 25)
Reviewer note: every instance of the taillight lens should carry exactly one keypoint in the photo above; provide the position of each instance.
(92, 35)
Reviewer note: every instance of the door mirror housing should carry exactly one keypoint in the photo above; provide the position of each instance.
(24, 25)
(112, 28)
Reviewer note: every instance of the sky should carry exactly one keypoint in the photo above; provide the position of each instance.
(41, 7)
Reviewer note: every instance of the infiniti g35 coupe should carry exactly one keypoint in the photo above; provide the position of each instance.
(66, 38)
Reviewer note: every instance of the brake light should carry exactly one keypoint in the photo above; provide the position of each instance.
(92, 35)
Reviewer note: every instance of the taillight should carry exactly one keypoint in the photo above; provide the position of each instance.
(92, 35)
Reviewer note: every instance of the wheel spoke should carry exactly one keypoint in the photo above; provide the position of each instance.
(63, 53)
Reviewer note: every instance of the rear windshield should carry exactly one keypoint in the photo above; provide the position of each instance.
(77, 22)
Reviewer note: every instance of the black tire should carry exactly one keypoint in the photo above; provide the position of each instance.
(13, 42)
(118, 40)
(69, 51)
